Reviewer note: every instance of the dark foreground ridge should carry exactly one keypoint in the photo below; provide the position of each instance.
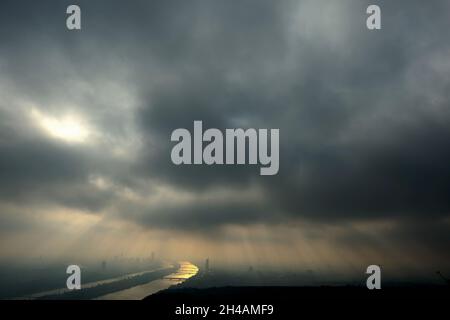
(288, 301)
(422, 302)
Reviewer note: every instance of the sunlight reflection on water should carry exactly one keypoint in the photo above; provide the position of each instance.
(184, 272)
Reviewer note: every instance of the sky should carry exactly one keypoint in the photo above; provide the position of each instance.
(86, 118)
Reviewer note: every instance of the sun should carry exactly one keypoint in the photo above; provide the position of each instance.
(69, 128)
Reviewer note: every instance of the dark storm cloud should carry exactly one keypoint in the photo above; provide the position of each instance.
(388, 168)
(41, 172)
(405, 176)
(206, 215)
(362, 115)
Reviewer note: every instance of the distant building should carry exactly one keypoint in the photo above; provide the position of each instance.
(207, 265)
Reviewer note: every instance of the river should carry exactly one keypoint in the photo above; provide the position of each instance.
(184, 272)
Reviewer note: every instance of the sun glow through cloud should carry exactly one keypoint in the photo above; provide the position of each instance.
(69, 128)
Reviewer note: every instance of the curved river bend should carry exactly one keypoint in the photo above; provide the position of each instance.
(184, 272)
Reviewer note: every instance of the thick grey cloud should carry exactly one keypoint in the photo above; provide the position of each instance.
(363, 115)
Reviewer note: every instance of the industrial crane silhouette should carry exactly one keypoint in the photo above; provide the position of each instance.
(447, 281)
